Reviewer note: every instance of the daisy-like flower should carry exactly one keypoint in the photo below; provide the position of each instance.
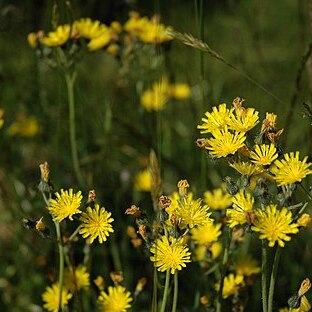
(232, 285)
(155, 33)
(58, 37)
(246, 266)
(274, 225)
(217, 199)
(207, 233)
(192, 212)
(225, 142)
(242, 210)
(216, 120)
(116, 300)
(143, 181)
(76, 279)
(86, 28)
(171, 255)
(244, 119)
(290, 169)
(246, 168)
(263, 155)
(51, 298)
(65, 205)
(204, 252)
(96, 223)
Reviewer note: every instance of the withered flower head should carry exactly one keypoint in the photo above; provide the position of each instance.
(164, 202)
(41, 228)
(134, 210)
(238, 235)
(116, 277)
(45, 171)
(175, 220)
(183, 185)
(238, 102)
(136, 242)
(143, 231)
(99, 282)
(91, 196)
(202, 142)
(274, 136)
(204, 300)
(304, 287)
(140, 285)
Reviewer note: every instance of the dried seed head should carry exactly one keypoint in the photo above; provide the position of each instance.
(134, 210)
(183, 185)
(116, 277)
(202, 143)
(45, 171)
(164, 202)
(91, 196)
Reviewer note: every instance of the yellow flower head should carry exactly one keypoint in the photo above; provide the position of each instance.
(304, 220)
(86, 28)
(247, 266)
(242, 209)
(244, 119)
(100, 41)
(25, 126)
(58, 37)
(217, 120)
(207, 233)
(232, 285)
(96, 223)
(51, 298)
(143, 181)
(77, 278)
(217, 199)
(206, 252)
(192, 212)
(180, 91)
(274, 225)
(155, 33)
(246, 168)
(32, 39)
(65, 205)
(155, 99)
(171, 255)
(116, 300)
(290, 169)
(225, 143)
(263, 154)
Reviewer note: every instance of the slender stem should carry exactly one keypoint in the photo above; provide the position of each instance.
(264, 277)
(70, 83)
(273, 277)
(175, 292)
(74, 233)
(61, 262)
(154, 301)
(166, 290)
(306, 191)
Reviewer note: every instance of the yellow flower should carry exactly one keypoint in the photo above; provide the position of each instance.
(86, 28)
(65, 205)
(304, 220)
(263, 154)
(206, 252)
(136, 25)
(207, 233)
(96, 223)
(180, 91)
(32, 39)
(217, 120)
(171, 255)
(246, 168)
(232, 285)
(242, 209)
(225, 143)
(143, 181)
(290, 169)
(58, 37)
(25, 126)
(155, 99)
(305, 305)
(100, 41)
(217, 199)
(192, 212)
(77, 278)
(116, 300)
(244, 119)
(51, 298)
(274, 225)
(155, 33)
(245, 265)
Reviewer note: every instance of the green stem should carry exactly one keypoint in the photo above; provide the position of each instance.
(61, 262)
(166, 290)
(74, 233)
(70, 83)
(154, 300)
(175, 292)
(264, 277)
(273, 277)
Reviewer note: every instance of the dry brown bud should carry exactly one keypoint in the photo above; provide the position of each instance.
(134, 210)
(116, 277)
(45, 171)
(164, 202)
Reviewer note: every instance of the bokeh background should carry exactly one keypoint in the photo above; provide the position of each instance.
(266, 40)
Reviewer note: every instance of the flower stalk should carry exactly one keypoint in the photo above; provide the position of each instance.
(264, 277)
(166, 292)
(175, 292)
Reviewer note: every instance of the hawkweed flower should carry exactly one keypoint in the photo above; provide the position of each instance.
(232, 285)
(88, 29)
(58, 37)
(205, 252)
(76, 278)
(51, 298)
(263, 155)
(242, 209)
(274, 225)
(246, 168)
(143, 181)
(225, 143)
(24, 126)
(179, 91)
(207, 233)
(246, 265)
(65, 205)
(169, 255)
(117, 299)
(218, 119)
(290, 169)
(304, 220)
(217, 199)
(96, 223)
(244, 119)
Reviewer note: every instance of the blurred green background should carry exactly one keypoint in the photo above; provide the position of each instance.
(266, 40)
